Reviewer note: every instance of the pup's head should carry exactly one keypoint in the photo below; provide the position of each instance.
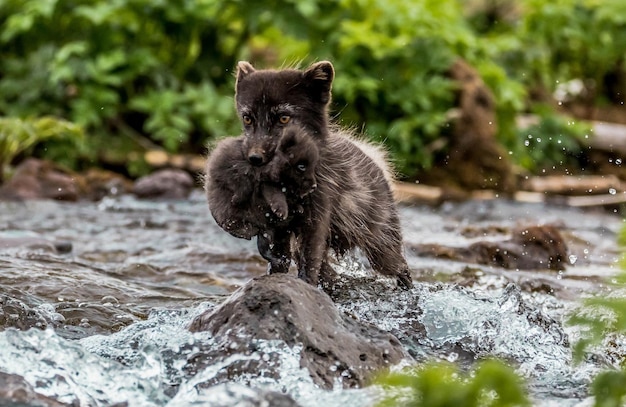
(269, 100)
(295, 162)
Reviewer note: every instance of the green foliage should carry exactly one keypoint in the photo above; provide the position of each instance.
(555, 141)
(571, 39)
(609, 389)
(160, 72)
(129, 68)
(599, 317)
(443, 385)
(18, 136)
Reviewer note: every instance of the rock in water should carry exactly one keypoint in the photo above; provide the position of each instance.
(335, 346)
(37, 179)
(164, 184)
(15, 391)
(529, 248)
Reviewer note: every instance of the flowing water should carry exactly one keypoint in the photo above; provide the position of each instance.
(95, 299)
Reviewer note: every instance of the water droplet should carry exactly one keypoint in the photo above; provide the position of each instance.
(612, 191)
(452, 357)
(618, 161)
(573, 258)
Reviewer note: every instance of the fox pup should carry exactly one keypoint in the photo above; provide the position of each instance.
(248, 201)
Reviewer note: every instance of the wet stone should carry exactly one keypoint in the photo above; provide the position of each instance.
(33, 241)
(38, 179)
(16, 314)
(16, 391)
(164, 184)
(334, 345)
(529, 248)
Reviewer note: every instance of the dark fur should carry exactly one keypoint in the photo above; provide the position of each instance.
(353, 205)
(234, 191)
(241, 195)
(266, 96)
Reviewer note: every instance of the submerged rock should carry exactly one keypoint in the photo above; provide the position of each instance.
(16, 391)
(335, 346)
(529, 248)
(35, 242)
(164, 184)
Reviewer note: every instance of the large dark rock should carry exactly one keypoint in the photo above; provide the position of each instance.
(529, 248)
(16, 391)
(164, 184)
(335, 346)
(37, 179)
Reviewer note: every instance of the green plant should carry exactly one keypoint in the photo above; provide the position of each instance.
(151, 72)
(554, 142)
(571, 39)
(601, 317)
(160, 73)
(18, 136)
(492, 383)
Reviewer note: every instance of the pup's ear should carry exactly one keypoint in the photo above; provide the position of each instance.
(288, 139)
(319, 78)
(244, 69)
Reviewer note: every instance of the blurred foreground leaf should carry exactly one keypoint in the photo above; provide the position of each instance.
(491, 384)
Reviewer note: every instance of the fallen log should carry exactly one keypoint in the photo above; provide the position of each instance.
(597, 200)
(188, 162)
(608, 136)
(573, 184)
(407, 193)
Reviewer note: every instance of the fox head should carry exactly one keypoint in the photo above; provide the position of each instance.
(269, 100)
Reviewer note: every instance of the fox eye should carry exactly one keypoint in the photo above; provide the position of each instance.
(284, 119)
(301, 167)
(247, 120)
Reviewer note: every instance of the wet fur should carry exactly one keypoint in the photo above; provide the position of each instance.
(246, 200)
(352, 206)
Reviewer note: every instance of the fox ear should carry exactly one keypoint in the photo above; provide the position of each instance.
(319, 78)
(244, 69)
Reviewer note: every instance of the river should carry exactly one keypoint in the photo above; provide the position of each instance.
(95, 298)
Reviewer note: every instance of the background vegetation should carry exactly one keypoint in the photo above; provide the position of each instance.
(139, 74)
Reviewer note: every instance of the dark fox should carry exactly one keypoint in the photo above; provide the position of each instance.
(353, 204)
(249, 201)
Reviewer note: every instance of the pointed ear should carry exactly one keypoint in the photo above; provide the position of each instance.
(319, 78)
(244, 69)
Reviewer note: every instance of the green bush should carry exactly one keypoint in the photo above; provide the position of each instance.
(142, 74)
(153, 72)
(564, 40)
(602, 317)
(492, 383)
(554, 143)
(18, 136)
(159, 72)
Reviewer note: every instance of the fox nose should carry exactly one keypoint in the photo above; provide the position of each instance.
(255, 159)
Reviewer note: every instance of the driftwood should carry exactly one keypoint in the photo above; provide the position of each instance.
(608, 137)
(573, 184)
(431, 195)
(189, 162)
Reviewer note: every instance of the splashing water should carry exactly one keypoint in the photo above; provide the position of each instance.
(117, 307)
